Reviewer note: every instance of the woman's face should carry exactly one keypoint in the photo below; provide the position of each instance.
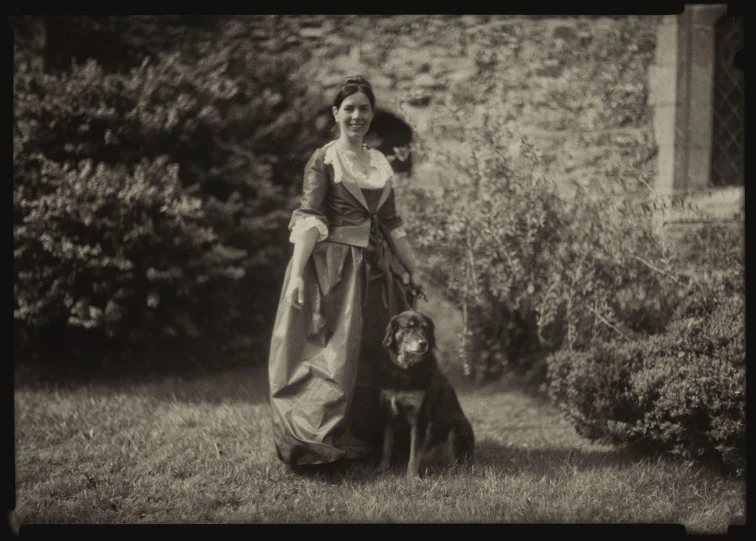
(354, 115)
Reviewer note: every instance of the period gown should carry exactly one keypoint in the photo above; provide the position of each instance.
(323, 356)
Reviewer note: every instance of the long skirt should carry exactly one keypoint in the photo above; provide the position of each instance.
(324, 359)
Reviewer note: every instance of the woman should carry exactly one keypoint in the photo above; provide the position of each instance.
(350, 273)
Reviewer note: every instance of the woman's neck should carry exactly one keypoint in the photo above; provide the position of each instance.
(348, 143)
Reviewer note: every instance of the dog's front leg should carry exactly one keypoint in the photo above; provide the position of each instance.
(388, 447)
(413, 467)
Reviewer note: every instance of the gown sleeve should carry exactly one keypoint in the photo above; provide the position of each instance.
(311, 207)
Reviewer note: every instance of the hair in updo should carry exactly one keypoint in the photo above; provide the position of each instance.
(352, 85)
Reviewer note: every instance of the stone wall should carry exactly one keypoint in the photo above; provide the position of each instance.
(576, 86)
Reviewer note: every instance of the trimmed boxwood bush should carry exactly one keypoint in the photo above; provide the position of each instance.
(680, 392)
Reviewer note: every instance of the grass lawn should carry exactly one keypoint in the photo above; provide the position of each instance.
(176, 451)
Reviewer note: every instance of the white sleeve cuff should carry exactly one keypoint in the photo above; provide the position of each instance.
(399, 232)
(304, 224)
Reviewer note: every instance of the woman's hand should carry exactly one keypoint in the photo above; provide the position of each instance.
(295, 292)
(415, 290)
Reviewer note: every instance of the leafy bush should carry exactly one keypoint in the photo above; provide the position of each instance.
(122, 41)
(714, 253)
(108, 243)
(153, 203)
(533, 269)
(681, 392)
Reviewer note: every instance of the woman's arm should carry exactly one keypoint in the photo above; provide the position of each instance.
(404, 251)
(393, 221)
(308, 225)
(302, 250)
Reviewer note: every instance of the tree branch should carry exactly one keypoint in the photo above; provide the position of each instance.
(607, 323)
(654, 268)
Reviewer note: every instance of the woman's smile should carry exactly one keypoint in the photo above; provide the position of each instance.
(354, 115)
(357, 126)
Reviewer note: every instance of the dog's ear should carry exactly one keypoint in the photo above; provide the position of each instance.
(390, 330)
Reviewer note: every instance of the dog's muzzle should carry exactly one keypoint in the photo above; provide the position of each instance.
(411, 354)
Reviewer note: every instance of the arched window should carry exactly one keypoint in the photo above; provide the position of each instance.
(392, 136)
(728, 104)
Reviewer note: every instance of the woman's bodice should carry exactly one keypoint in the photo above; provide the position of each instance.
(372, 197)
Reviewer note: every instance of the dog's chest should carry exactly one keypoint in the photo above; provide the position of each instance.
(402, 401)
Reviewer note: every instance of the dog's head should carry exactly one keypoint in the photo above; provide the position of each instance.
(409, 336)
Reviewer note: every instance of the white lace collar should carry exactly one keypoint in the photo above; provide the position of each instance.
(379, 170)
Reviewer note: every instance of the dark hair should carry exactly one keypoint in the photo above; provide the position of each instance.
(352, 85)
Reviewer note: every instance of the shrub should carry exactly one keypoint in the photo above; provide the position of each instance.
(116, 250)
(681, 392)
(714, 253)
(153, 203)
(532, 268)
(117, 42)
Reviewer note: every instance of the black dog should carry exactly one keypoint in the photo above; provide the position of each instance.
(416, 393)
